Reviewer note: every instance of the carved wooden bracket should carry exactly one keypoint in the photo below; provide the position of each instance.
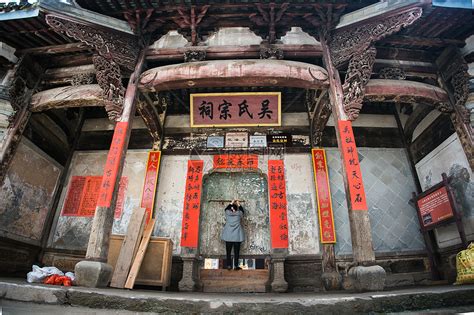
(271, 53)
(143, 22)
(357, 77)
(324, 19)
(352, 41)
(392, 73)
(109, 79)
(319, 110)
(121, 48)
(190, 19)
(154, 113)
(194, 55)
(112, 50)
(270, 16)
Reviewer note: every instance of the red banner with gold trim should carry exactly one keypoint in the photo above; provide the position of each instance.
(150, 183)
(323, 192)
(278, 204)
(112, 165)
(351, 162)
(236, 161)
(192, 204)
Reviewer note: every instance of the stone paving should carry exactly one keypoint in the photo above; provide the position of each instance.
(420, 298)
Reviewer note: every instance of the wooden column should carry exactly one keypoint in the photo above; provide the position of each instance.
(98, 246)
(361, 235)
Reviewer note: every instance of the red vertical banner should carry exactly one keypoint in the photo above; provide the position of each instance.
(112, 165)
(323, 192)
(351, 162)
(278, 204)
(150, 184)
(192, 204)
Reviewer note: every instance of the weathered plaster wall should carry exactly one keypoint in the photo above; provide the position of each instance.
(388, 185)
(27, 193)
(449, 158)
(73, 232)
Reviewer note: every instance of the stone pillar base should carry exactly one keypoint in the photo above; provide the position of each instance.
(370, 278)
(93, 274)
(331, 281)
(190, 281)
(278, 283)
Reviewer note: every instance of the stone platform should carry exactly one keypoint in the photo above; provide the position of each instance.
(412, 299)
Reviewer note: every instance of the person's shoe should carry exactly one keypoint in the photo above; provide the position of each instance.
(229, 268)
(237, 268)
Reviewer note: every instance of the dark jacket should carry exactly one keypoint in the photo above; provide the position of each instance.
(233, 230)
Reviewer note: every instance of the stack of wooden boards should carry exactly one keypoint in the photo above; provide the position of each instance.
(139, 258)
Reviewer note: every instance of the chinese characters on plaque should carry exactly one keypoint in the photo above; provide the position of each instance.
(236, 140)
(82, 195)
(192, 204)
(435, 207)
(326, 218)
(236, 161)
(235, 109)
(278, 204)
(351, 162)
(112, 165)
(151, 181)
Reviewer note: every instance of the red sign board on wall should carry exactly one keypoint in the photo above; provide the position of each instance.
(323, 192)
(235, 109)
(278, 204)
(83, 193)
(351, 163)
(435, 207)
(192, 204)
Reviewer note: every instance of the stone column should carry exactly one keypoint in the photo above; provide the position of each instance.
(190, 280)
(94, 271)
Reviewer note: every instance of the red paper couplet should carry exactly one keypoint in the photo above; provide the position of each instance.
(435, 207)
(112, 165)
(192, 204)
(278, 204)
(150, 184)
(351, 162)
(83, 193)
(236, 161)
(326, 218)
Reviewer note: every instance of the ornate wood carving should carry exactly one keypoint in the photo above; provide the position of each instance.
(353, 41)
(153, 113)
(392, 73)
(270, 16)
(194, 55)
(324, 19)
(190, 19)
(82, 78)
(271, 53)
(121, 48)
(457, 70)
(357, 77)
(109, 79)
(319, 110)
(26, 78)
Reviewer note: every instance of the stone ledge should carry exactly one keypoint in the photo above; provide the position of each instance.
(153, 301)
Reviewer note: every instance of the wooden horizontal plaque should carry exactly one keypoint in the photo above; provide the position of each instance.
(235, 109)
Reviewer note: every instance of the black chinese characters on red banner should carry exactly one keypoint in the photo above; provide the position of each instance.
(192, 204)
(278, 204)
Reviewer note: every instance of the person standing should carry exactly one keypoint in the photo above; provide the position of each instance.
(233, 232)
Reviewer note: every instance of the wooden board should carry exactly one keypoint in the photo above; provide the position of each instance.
(156, 266)
(137, 262)
(128, 249)
(225, 281)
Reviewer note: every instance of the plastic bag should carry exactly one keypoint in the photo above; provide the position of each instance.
(38, 273)
(71, 275)
(465, 265)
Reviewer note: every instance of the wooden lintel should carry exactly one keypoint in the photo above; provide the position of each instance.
(422, 41)
(54, 49)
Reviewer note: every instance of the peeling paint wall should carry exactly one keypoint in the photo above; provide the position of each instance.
(27, 193)
(73, 232)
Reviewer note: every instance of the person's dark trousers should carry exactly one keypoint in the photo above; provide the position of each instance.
(228, 249)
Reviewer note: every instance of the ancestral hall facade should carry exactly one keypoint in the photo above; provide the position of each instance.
(322, 117)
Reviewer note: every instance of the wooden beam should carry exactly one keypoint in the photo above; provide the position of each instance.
(404, 40)
(54, 49)
(67, 97)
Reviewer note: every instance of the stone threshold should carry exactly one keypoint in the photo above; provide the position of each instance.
(411, 299)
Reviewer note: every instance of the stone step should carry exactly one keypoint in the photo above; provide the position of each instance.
(218, 274)
(226, 286)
